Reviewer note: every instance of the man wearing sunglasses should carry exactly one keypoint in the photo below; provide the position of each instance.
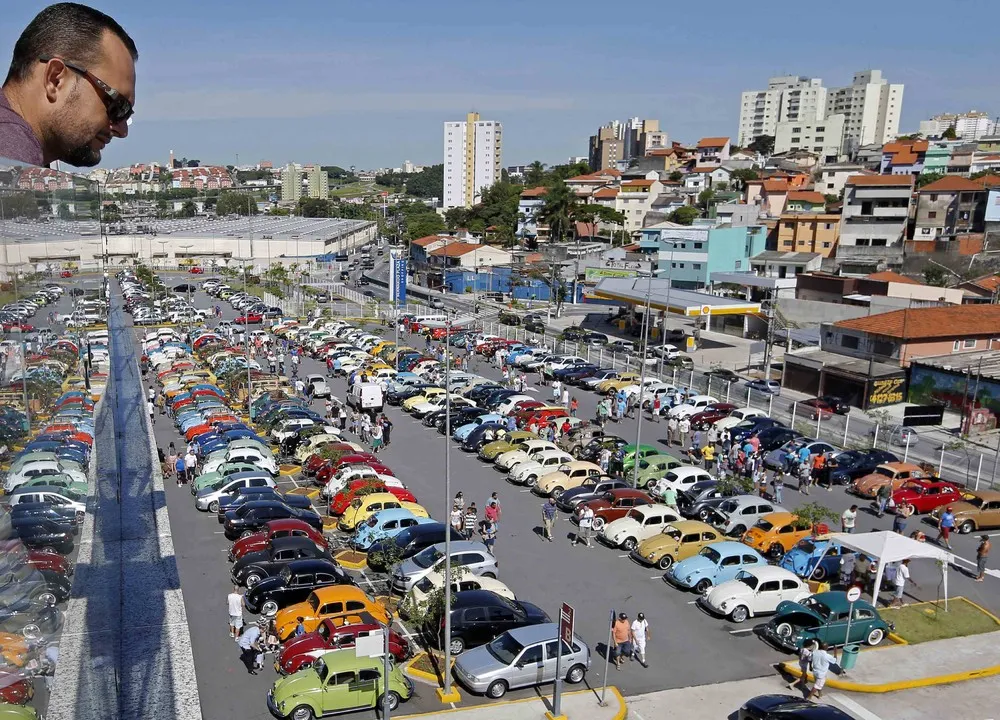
(70, 87)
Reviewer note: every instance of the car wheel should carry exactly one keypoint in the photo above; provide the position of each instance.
(391, 700)
(703, 514)
(31, 631)
(576, 674)
(739, 614)
(966, 527)
(665, 562)
(497, 689)
(784, 629)
(819, 573)
(252, 579)
(49, 598)
(629, 543)
(875, 636)
(302, 712)
(775, 551)
(703, 586)
(457, 646)
(213, 507)
(557, 492)
(246, 534)
(531, 481)
(598, 524)
(738, 531)
(490, 575)
(269, 608)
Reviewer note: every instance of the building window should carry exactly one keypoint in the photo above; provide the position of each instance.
(956, 346)
(673, 265)
(826, 244)
(698, 246)
(883, 348)
(863, 242)
(681, 266)
(879, 242)
(849, 341)
(969, 344)
(696, 266)
(933, 197)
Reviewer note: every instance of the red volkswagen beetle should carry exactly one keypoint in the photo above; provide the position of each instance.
(300, 652)
(925, 495)
(343, 499)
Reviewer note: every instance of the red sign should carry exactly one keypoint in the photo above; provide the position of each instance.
(566, 614)
(385, 194)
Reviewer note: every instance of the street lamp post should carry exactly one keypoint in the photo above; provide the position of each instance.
(666, 308)
(447, 694)
(644, 329)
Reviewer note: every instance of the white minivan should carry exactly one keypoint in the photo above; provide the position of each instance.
(366, 396)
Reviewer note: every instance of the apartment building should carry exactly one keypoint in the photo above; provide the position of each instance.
(824, 137)
(318, 182)
(473, 151)
(712, 151)
(949, 206)
(873, 219)
(790, 98)
(291, 183)
(970, 125)
(607, 147)
(871, 107)
(831, 178)
(693, 254)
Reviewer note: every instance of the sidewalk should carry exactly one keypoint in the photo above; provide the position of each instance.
(902, 667)
(576, 705)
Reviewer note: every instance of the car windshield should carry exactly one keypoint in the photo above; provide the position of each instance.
(505, 649)
(973, 500)
(728, 506)
(887, 472)
(321, 670)
(764, 525)
(427, 557)
(747, 579)
(711, 554)
(637, 516)
(816, 606)
(372, 521)
(425, 585)
(807, 546)
(672, 532)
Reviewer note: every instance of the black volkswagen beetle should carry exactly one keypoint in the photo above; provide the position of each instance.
(293, 584)
(256, 566)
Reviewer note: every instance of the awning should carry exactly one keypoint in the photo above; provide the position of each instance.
(690, 303)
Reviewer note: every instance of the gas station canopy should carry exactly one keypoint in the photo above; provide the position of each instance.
(690, 303)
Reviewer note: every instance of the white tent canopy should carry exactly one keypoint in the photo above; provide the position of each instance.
(887, 547)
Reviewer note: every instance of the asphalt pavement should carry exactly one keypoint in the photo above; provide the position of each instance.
(687, 648)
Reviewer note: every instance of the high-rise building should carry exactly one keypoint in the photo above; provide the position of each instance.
(472, 159)
(319, 182)
(607, 147)
(408, 167)
(291, 183)
(968, 126)
(787, 98)
(871, 107)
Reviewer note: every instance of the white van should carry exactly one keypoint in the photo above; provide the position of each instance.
(422, 320)
(366, 396)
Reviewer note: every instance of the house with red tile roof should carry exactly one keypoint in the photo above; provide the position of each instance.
(712, 151)
(469, 256)
(904, 157)
(950, 206)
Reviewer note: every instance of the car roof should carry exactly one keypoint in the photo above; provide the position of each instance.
(901, 466)
(311, 565)
(288, 524)
(531, 634)
(338, 592)
(578, 464)
(984, 494)
(771, 572)
(462, 545)
(292, 541)
(731, 546)
(837, 600)
(475, 598)
(689, 526)
(781, 517)
(337, 661)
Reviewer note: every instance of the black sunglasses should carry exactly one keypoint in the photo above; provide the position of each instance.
(118, 106)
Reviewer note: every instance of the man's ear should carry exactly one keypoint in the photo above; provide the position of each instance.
(55, 76)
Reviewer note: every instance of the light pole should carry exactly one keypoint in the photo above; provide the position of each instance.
(447, 694)
(666, 307)
(644, 329)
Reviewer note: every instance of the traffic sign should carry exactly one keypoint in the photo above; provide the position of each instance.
(566, 616)
(854, 594)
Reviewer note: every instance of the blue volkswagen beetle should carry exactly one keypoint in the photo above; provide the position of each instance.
(715, 564)
(805, 559)
(383, 525)
(463, 432)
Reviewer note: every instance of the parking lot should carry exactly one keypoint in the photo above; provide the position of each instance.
(688, 647)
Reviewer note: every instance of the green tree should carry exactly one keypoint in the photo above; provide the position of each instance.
(314, 207)
(676, 176)
(743, 175)
(233, 203)
(111, 213)
(557, 210)
(535, 174)
(684, 215)
(949, 133)
(831, 198)
(763, 145)
(928, 178)
(162, 209)
(934, 275)
(705, 197)
(457, 217)
(188, 209)
(64, 212)
(339, 174)
(810, 515)
(427, 184)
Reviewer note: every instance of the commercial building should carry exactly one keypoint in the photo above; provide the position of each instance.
(472, 159)
(318, 182)
(871, 107)
(291, 183)
(970, 125)
(692, 254)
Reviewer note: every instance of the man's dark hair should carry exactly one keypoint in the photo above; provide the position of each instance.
(67, 30)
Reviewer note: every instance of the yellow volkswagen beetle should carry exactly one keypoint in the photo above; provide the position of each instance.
(677, 541)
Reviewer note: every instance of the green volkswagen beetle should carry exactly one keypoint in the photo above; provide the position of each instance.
(18, 712)
(210, 478)
(630, 453)
(338, 681)
(823, 616)
(60, 481)
(508, 441)
(655, 467)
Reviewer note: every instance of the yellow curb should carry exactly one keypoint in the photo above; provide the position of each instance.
(350, 564)
(898, 639)
(410, 670)
(287, 470)
(329, 523)
(620, 715)
(453, 697)
(980, 608)
(311, 493)
(792, 668)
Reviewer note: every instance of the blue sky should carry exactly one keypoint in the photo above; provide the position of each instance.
(369, 84)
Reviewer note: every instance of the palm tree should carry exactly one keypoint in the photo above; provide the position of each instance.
(557, 210)
(535, 174)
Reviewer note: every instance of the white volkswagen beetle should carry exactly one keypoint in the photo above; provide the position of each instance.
(755, 591)
(642, 522)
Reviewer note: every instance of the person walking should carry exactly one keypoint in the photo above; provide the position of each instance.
(300, 626)
(493, 509)
(805, 659)
(456, 519)
(654, 409)
(234, 601)
(574, 405)
(848, 519)
(386, 430)
(565, 397)
(670, 498)
(459, 500)
(683, 428)
(640, 634)
(586, 525)
(488, 531)
(470, 519)
(181, 469)
(945, 525)
(982, 553)
(899, 580)
(884, 493)
(548, 518)
(708, 456)
(556, 388)
(899, 521)
(820, 661)
(778, 483)
(151, 409)
(250, 647)
(621, 636)
(376, 438)
(671, 430)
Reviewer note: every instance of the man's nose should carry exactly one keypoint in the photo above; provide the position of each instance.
(120, 129)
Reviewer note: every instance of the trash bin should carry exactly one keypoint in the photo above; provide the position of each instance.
(849, 656)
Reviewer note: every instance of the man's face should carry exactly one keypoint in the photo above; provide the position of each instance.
(82, 127)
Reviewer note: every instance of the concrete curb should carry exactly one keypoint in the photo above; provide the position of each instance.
(792, 668)
(410, 670)
(621, 714)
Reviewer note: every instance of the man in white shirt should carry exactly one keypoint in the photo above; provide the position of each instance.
(848, 519)
(586, 526)
(821, 661)
(235, 602)
(191, 464)
(640, 634)
(899, 581)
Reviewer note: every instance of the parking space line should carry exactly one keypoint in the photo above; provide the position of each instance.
(741, 631)
(858, 710)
